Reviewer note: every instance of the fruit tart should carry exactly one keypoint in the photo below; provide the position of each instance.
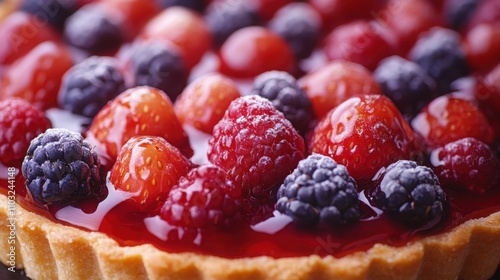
(231, 139)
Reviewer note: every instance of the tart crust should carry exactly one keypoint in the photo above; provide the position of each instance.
(48, 250)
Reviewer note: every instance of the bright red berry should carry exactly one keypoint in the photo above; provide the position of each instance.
(205, 198)
(253, 50)
(138, 111)
(148, 167)
(447, 119)
(335, 82)
(267, 8)
(466, 164)
(20, 122)
(184, 28)
(481, 46)
(257, 146)
(364, 133)
(37, 76)
(203, 102)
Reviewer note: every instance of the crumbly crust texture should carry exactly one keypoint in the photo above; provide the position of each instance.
(49, 250)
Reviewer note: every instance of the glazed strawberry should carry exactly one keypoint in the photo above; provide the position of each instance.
(364, 133)
(21, 32)
(253, 50)
(205, 198)
(335, 82)
(203, 103)
(148, 167)
(447, 118)
(20, 122)
(37, 76)
(258, 148)
(137, 111)
(466, 164)
(184, 28)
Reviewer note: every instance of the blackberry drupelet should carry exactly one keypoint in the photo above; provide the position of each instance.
(439, 53)
(61, 168)
(92, 30)
(90, 84)
(54, 12)
(299, 24)
(319, 191)
(409, 193)
(226, 16)
(286, 96)
(158, 65)
(406, 84)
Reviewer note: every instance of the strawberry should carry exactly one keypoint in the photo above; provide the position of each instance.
(37, 76)
(138, 111)
(20, 122)
(203, 103)
(148, 167)
(447, 119)
(364, 133)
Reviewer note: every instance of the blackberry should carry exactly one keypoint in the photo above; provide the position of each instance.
(406, 84)
(197, 5)
(90, 84)
(409, 193)
(458, 12)
(438, 52)
(286, 96)
(299, 25)
(226, 16)
(319, 191)
(54, 12)
(61, 168)
(158, 65)
(92, 30)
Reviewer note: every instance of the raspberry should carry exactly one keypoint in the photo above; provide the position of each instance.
(161, 66)
(466, 164)
(258, 148)
(55, 12)
(410, 194)
(20, 122)
(206, 197)
(282, 90)
(224, 17)
(439, 53)
(61, 168)
(406, 84)
(300, 25)
(93, 30)
(319, 191)
(481, 46)
(90, 84)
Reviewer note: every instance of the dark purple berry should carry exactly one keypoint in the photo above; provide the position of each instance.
(406, 84)
(54, 12)
(319, 191)
(90, 84)
(439, 53)
(286, 96)
(197, 5)
(61, 168)
(299, 25)
(458, 12)
(409, 193)
(158, 65)
(224, 17)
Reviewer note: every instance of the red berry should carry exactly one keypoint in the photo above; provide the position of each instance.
(335, 82)
(37, 76)
(267, 8)
(203, 102)
(447, 118)
(359, 42)
(184, 28)
(205, 198)
(257, 146)
(20, 122)
(488, 11)
(138, 111)
(20, 33)
(466, 164)
(148, 167)
(481, 46)
(364, 133)
(253, 50)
